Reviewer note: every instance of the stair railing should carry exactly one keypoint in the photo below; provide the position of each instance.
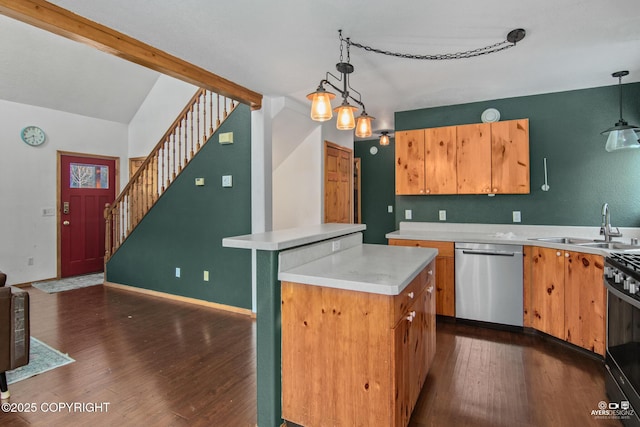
(193, 127)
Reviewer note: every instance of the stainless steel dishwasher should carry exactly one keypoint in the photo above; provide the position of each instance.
(489, 283)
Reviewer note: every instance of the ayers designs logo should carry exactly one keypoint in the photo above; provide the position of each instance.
(613, 410)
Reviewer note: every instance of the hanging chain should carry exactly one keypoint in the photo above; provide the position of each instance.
(497, 47)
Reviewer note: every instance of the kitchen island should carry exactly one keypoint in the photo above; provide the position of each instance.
(398, 276)
(358, 333)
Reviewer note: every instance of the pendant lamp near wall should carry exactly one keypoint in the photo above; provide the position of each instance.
(622, 135)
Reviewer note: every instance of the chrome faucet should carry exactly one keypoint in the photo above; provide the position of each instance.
(605, 228)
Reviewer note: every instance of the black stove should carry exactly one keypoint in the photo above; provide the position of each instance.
(622, 272)
(622, 360)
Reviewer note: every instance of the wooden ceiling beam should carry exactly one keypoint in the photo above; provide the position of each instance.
(57, 20)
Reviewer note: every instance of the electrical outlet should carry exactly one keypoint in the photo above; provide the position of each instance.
(390, 208)
(516, 216)
(177, 271)
(227, 181)
(335, 245)
(442, 215)
(408, 214)
(206, 276)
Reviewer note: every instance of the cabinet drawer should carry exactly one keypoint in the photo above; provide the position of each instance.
(444, 248)
(403, 301)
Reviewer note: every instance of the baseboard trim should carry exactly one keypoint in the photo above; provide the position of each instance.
(209, 304)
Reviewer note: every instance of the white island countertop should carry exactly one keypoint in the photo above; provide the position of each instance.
(284, 239)
(376, 269)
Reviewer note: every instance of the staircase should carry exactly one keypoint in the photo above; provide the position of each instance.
(197, 122)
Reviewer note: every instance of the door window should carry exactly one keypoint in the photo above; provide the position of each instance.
(88, 176)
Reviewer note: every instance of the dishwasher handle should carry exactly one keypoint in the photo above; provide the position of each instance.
(489, 253)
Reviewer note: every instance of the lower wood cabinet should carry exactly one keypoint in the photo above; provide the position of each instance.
(354, 358)
(567, 297)
(445, 273)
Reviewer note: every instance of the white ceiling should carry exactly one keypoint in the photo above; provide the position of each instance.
(284, 48)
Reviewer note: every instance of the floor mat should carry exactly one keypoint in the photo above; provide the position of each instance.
(42, 358)
(70, 283)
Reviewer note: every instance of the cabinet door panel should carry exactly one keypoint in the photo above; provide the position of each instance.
(440, 160)
(445, 286)
(410, 162)
(401, 374)
(510, 157)
(585, 301)
(474, 158)
(547, 291)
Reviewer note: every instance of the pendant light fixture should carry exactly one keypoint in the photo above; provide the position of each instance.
(321, 99)
(622, 135)
(384, 136)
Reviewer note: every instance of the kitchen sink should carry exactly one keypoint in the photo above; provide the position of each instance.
(565, 240)
(610, 245)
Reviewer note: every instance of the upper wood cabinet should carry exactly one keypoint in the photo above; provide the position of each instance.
(440, 160)
(510, 157)
(474, 158)
(410, 162)
(481, 158)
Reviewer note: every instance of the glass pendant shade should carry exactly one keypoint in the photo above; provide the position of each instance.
(345, 120)
(321, 105)
(622, 139)
(363, 126)
(384, 139)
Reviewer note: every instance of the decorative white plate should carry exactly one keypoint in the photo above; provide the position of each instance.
(490, 115)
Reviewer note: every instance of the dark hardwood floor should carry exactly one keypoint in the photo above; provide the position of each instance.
(166, 363)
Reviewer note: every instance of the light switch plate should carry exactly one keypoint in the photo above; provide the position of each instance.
(177, 271)
(390, 208)
(227, 181)
(516, 216)
(205, 275)
(199, 182)
(442, 215)
(408, 214)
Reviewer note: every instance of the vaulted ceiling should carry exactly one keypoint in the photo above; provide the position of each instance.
(285, 47)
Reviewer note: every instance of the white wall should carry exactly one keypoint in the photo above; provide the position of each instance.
(161, 107)
(298, 180)
(28, 179)
(297, 185)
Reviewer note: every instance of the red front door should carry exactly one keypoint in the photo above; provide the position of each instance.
(87, 185)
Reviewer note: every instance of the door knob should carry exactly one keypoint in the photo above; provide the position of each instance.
(65, 223)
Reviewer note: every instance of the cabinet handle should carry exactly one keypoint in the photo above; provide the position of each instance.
(430, 272)
(428, 191)
(430, 289)
(558, 253)
(566, 254)
(411, 315)
(495, 190)
(411, 295)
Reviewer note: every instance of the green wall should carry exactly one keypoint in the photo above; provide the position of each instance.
(377, 189)
(565, 128)
(186, 226)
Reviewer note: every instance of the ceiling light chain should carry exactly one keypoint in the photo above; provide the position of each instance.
(513, 38)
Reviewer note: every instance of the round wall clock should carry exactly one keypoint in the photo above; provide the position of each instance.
(33, 135)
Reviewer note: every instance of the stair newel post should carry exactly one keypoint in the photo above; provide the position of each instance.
(107, 234)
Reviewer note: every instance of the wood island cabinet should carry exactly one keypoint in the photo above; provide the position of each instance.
(445, 278)
(354, 358)
(480, 158)
(567, 297)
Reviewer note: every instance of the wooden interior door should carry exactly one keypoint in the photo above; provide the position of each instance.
(338, 183)
(87, 185)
